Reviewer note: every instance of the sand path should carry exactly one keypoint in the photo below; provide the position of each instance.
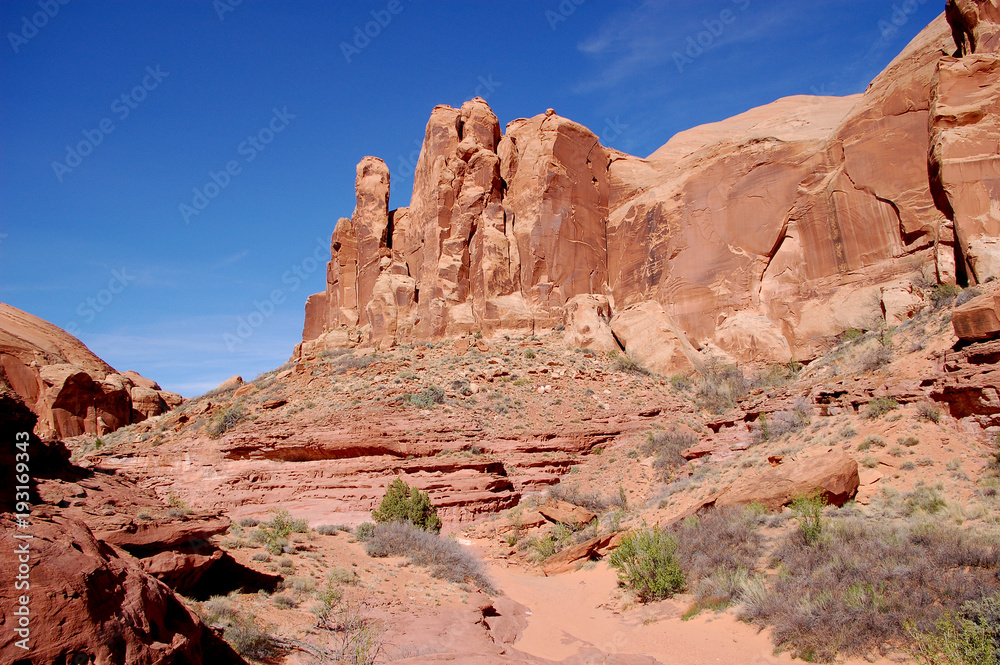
(571, 611)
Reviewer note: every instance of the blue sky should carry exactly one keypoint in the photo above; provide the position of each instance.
(115, 113)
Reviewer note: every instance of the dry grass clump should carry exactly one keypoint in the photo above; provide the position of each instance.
(593, 500)
(240, 629)
(446, 559)
(721, 387)
(667, 446)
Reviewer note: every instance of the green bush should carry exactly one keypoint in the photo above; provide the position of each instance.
(986, 613)
(427, 398)
(274, 534)
(647, 564)
(405, 504)
(364, 532)
(880, 406)
(809, 512)
(953, 641)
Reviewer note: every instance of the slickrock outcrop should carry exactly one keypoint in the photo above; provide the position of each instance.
(756, 239)
(71, 390)
(834, 475)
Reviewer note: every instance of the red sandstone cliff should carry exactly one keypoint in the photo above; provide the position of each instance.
(759, 238)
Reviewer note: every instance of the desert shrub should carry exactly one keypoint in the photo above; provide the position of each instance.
(248, 522)
(445, 558)
(986, 613)
(952, 641)
(427, 398)
(681, 383)
(809, 513)
(358, 638)
(240, 629)
(260, 556)
(875, 358)
(880, 406)
(405, 504)
(721, 387)
(594, 500)
(944, 295)
(332, 529)
(364, 531)
(966, 295)
(274, 533)
(870, 442)
(647, 564)
(529, 354)
(784, 422)
(546, 545)
(629, 366)
(348, 361)
(928, 413)
(667, 445)
(226, 419)
(725, 538)
(922, 498)
(724, 588)
(855, 589)
(284, 602)
(303, 584)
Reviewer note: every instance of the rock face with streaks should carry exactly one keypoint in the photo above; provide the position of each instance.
(71, 390)
(756, 239)
(964, 159)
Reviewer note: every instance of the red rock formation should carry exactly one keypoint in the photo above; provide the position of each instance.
(758, 238)
(89, 603)
(978, 319)
(965, 166)
(70, 389)
(833, 474)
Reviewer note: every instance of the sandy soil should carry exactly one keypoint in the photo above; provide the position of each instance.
(579, 609)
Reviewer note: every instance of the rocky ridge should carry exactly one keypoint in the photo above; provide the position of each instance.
(757, 239)
(71, 390)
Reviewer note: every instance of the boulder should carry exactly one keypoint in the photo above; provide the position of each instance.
(653, 338)
(142, 382)
(567, 559)
(979, 319)
(566, 513)
(232, 383)
(146, 403)
(588, 324)
(71, 390)
(833, 474)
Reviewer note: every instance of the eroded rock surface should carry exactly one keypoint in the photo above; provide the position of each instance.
(756, 239)
(71, 390)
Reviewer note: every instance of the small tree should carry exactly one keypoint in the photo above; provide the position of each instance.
(405, 504)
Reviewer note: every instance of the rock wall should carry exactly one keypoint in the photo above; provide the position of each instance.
(964, 155)
(71, 390)
(759, 238)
